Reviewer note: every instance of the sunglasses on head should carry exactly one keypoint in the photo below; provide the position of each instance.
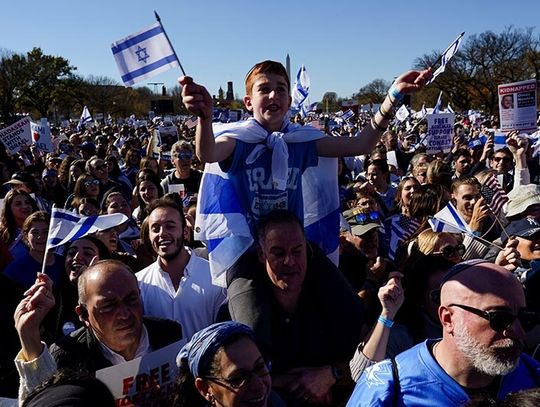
(500, 320)
(451, 251)
(363, 218)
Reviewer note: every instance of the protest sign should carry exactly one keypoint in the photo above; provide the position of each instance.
(17, 135)
(144, 381)
(41, 136)
(517, 106)
(440, 132)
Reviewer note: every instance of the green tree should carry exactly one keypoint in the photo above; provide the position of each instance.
(41, 78)
(330, 102)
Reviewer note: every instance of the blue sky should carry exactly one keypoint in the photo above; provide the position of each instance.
(344, 45)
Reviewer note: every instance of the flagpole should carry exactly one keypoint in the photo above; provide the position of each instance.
(166, 36)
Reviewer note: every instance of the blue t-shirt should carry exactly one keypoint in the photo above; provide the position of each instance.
(424, 383)
(253, 182)
(24, 268)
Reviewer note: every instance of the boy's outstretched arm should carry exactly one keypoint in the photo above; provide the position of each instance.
(198, 101)
(409, 82)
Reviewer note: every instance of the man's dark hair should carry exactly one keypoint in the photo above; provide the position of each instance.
(462, 152)
(170, 200)
(277, 217)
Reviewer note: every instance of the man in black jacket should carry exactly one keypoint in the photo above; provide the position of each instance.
(114, 329)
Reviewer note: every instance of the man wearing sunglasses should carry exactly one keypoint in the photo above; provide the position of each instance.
(182, 155)
(484, 321)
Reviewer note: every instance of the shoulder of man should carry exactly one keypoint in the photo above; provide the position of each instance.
(162, 332)
(79, 349)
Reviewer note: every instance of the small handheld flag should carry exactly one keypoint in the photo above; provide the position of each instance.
(144, 54)
(300, 92)
(446, 56)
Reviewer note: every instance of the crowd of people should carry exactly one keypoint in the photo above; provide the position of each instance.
(340, 290)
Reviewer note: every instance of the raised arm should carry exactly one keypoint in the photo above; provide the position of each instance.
(198, 101)
(409, 82)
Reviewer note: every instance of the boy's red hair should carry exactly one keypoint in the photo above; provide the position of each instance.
(266, 67)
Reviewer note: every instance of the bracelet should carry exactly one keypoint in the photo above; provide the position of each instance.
(387, 115)
(396, 94)
(376, 126)
(388, 323)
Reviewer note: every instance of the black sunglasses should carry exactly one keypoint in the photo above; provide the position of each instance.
(450, 251)
(499, 320)
(184, 156)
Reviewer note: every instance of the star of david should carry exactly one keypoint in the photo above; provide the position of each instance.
(142, 54)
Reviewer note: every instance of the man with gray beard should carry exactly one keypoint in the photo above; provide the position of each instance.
(484, 319)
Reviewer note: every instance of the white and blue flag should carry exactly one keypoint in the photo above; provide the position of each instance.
(144, 54)
(347, 115)
(224, 223)
(300, 92)
(67, 226)
(449, 108)
(449, 220)
(437, 108)
(86, 118)
(446, 56)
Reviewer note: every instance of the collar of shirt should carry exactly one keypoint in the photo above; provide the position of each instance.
(115, 358)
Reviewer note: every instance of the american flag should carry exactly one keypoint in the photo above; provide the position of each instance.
(494, 195)
(191, 122)
(399, 229)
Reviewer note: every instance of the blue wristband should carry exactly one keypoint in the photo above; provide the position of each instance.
(386, 322)
(396, 94)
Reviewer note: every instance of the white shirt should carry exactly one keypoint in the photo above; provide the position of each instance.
(116, 358)
(196, 302)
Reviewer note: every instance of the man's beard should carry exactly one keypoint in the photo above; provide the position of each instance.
(495, 360)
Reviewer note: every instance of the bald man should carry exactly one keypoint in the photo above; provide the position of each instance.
(482, 311)
(114, 328)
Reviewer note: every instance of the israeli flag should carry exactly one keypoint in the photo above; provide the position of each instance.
(449, 220)
(85, 119)
(226, 225)
(143, 55)
(449, 108)
(347, 115)
(300, 92)
(67, 226)
(437, 108)
(446, 55)
(402, 113)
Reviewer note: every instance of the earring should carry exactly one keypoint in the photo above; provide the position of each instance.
(211, 399)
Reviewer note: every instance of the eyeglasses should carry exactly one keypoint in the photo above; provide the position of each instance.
(363, 218)
(503, 159)
(241, 379)
(184, 156)
(451, 251)
(500, 320)
(90, 183)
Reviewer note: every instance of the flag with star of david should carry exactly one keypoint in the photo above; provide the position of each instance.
(144, 54)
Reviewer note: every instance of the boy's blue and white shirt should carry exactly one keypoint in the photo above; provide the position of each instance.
(231, 201)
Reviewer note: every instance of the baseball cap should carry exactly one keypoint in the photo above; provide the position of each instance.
(525, 228)
(361, 222)
(21, 178)
(88, 145)
(48, 172)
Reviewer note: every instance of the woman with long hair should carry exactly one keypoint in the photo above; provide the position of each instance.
(24, 268)
(86, 186)
(18, 205)
(147, 189)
